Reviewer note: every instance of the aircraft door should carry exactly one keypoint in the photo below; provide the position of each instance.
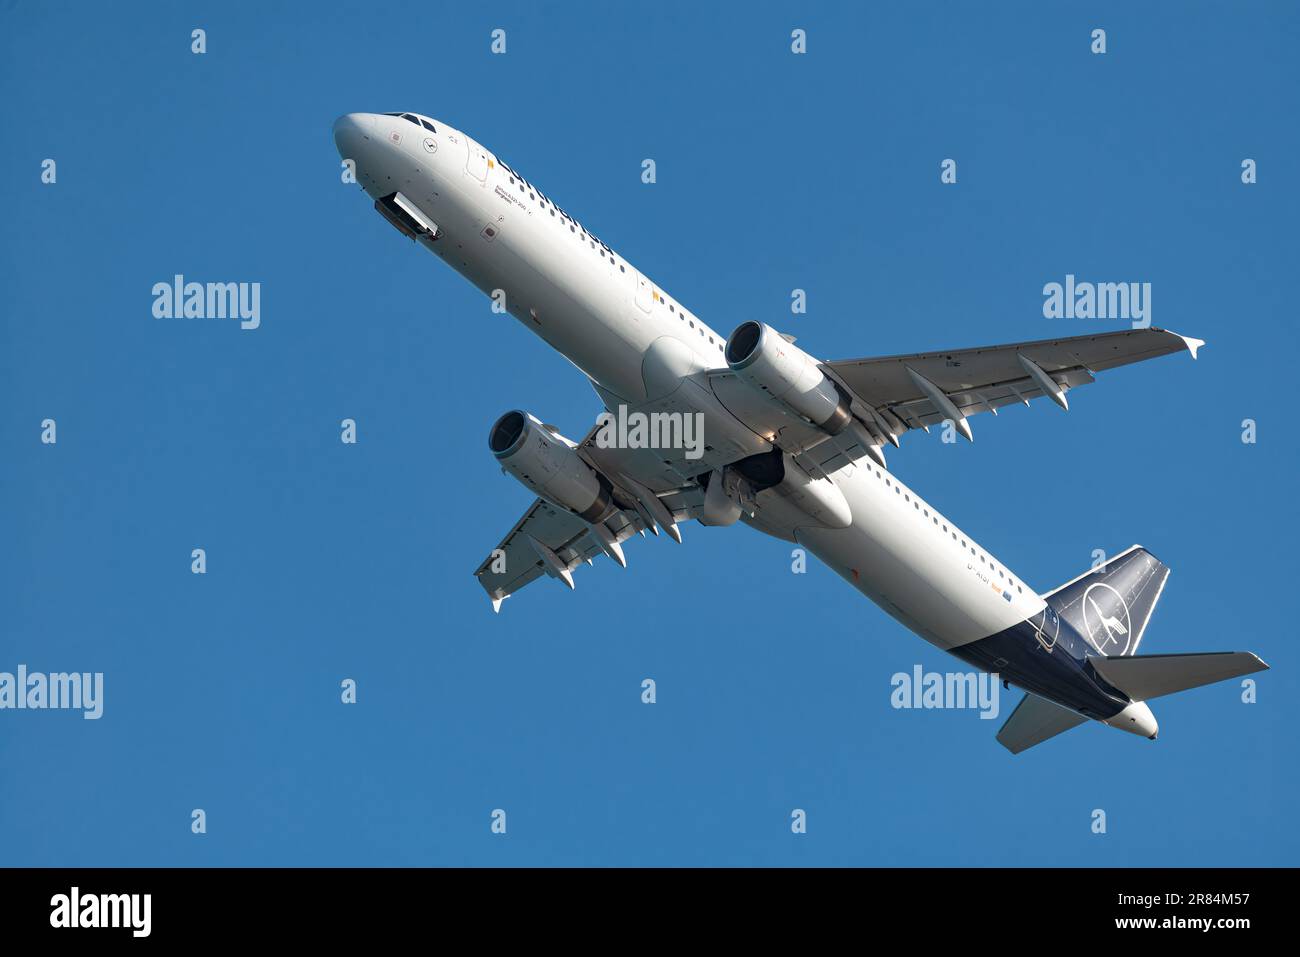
(476, 162)
(1047, 627)
(643, 298)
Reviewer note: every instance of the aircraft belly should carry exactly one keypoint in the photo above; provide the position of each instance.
(899, 559)
(1016, 655)
(583, 329)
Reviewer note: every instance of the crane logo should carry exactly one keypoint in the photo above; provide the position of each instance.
(1106, 618)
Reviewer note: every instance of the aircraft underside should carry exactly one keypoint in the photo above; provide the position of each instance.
(760, 431)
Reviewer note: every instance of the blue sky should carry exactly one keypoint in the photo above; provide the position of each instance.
(329, 561)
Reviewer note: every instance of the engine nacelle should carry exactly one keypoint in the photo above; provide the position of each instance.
(761, 358)
(548, 464)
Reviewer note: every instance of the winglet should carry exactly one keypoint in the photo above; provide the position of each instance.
(1192, 344)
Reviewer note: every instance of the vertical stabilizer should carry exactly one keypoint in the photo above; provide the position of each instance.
(1111, 605)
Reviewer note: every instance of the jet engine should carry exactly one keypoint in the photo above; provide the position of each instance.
(764, 360)
(549, 464)
(759, 356)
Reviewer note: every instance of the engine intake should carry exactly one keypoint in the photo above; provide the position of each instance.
(548, 464)
(763, 359)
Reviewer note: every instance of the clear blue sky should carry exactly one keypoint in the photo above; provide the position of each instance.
(775, 171)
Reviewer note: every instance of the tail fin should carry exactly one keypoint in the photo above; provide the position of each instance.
(1111, 605)
(1143, 677)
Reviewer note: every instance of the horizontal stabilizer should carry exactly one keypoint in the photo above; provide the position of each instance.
(1143, 677)
(1034, 721)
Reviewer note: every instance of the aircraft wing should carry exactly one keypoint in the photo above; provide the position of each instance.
(925, 388)
(549, 540)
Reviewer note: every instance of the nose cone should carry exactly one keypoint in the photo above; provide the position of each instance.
(1136, 719)
(351, 131)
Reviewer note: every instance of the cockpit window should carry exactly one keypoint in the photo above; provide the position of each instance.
(417, 120)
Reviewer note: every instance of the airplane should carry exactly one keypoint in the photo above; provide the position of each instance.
(794, 444)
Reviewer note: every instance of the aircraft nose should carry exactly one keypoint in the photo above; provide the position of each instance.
(351, 130)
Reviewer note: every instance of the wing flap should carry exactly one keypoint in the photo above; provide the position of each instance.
(515, 562)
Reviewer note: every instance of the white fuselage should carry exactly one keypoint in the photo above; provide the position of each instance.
(628, 335)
